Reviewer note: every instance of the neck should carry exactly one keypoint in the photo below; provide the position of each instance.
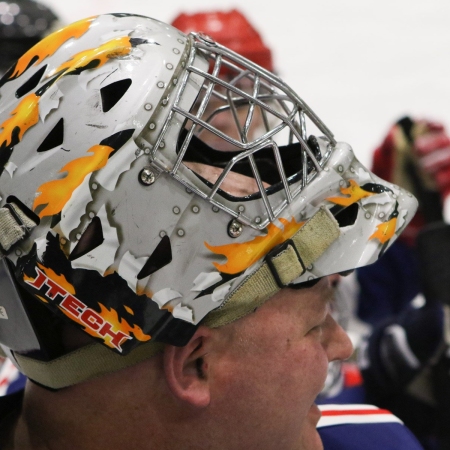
(115, 411)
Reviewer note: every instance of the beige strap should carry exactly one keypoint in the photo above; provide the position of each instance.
(310, 243)
(14, 225)
(83, 364)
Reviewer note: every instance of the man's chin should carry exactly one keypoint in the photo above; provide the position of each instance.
(310, 437)
(314, 413)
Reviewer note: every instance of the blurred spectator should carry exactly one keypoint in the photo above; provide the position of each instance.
(405, 295)
(23, 23)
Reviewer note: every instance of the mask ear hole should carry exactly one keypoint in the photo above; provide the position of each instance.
(91, 238)
(31, 83)
(346, 216)
(161, 256)
(54, 139)
(112, 93)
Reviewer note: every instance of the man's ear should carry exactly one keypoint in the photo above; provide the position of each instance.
(186, 371)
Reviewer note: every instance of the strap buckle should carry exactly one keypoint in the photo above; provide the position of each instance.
(274, 253)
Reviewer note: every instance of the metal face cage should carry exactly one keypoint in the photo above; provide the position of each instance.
(269, 142)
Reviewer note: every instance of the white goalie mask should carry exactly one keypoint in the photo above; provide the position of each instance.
(118, 215)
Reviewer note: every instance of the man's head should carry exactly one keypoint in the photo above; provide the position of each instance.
(118, 219)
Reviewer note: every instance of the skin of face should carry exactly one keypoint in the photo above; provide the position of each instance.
(275, 365)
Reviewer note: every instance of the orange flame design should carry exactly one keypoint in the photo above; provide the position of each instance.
(385, 231)
(50, 44)
(58, 279)
(111, 49)
(243, 255)
(56, 193)
(355, 194)
(110, 316)
(24, 116)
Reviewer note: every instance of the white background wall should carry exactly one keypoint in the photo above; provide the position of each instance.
(360, 64)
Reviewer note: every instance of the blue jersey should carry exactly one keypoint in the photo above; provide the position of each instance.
(363, 427)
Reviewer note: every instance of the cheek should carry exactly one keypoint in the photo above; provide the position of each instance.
(311, 364)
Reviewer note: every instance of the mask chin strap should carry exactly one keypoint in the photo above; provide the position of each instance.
(281, 266)
(82, 364)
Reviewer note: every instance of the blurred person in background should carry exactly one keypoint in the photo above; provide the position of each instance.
(23, 23)
(403, 298)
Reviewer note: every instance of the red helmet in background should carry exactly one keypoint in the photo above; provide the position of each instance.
(231, 29)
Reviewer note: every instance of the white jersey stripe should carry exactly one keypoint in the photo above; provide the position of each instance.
(356, 414)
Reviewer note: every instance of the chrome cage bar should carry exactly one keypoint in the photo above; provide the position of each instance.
(266, 87)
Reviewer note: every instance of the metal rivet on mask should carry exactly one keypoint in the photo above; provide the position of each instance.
(78, 236)
(352, 170)
(162, 234)
(235, 228)
(189, 191)
(175, 81)
(367, 215)
(91, 215)
(195, 209)
(152, 126)
(169, 66)
(181, 232)
(148, 107)
(147, 151)
(310, 267)
(180, 41)
(183, 64)
(341, 169)
(311, 278)
(176, 51)
(241, 208)
(342, 183)
(381, 215)
(18, 252)
(165, 101)
(162, 144)
(176, 210)
(94, 186)
(63, 241)
(257, 219)
(215, 209)
(138, 152)
(146, 176)
(160, 84)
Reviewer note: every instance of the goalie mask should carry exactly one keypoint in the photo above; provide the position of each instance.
(118, 218)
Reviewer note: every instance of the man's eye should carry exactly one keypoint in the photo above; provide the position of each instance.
(317, 329)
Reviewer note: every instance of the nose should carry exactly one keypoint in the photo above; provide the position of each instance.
(337, 343)
(334, 280)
